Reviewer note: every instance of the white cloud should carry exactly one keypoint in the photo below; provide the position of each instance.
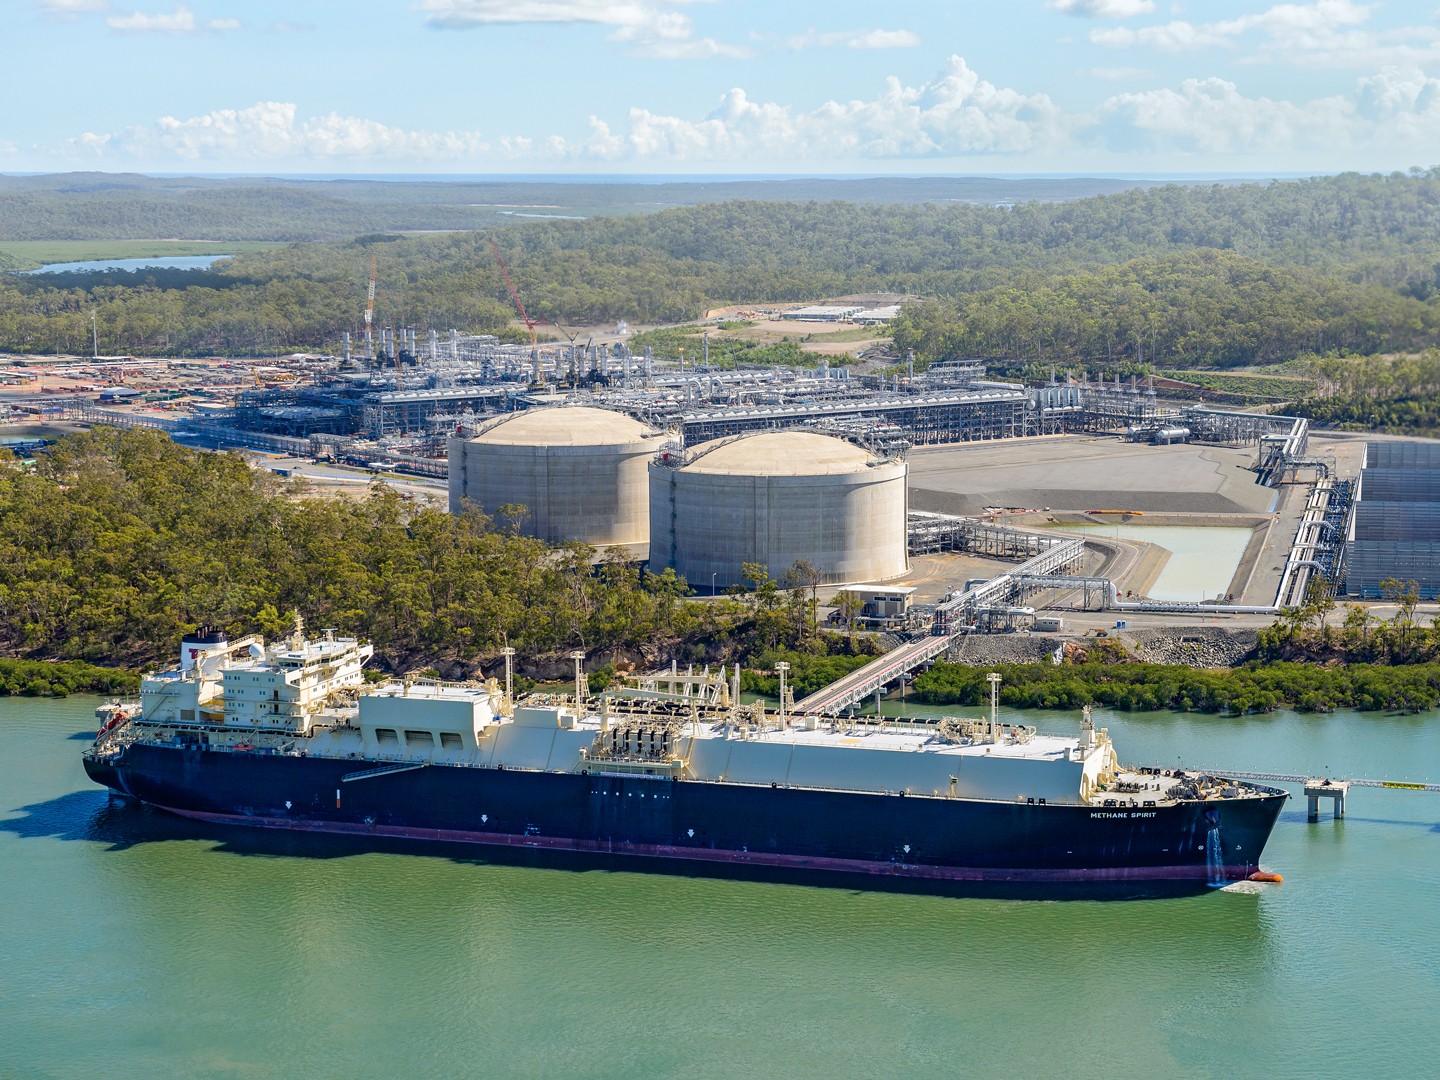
(1119, 74)
(668, 35)
(1325, 34)
(650, 28)
(1211, 116)
(955, 114)
(90, 143)
(180, 21)
(1390, 116)
(1179, 36)
(884, 39)
(1102, 9)
(1405, 103)
(854, 39)
(272, 131)
(462, 14)
(70, 10)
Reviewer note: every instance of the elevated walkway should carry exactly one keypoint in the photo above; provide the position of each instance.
(950, 627)
(1058, 556)
(880, 672)
(1317, 788)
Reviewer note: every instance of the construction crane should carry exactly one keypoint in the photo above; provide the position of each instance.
(370, 313)
(530, 323)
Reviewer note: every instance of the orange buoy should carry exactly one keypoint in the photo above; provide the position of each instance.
(1261, 875)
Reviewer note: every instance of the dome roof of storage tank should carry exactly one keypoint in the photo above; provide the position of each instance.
(781, 453)
(564, 425)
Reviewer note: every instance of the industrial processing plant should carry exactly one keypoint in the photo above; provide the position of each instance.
(704, 468)
(1395, 535)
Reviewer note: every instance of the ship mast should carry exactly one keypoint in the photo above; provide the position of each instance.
(509, 653)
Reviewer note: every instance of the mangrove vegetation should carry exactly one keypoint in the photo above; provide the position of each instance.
(1255, 687)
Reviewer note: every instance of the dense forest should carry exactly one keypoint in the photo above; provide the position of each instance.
(1201, 308)
(118, 542)
(1176, 276)
(128, 206)
(1397, 394)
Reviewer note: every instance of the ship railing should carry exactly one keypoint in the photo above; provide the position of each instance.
(280, 741)
(387, 763)
(427, 681)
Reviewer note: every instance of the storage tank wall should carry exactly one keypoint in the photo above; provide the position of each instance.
(455, 458)
(850, 526)
(592, 493)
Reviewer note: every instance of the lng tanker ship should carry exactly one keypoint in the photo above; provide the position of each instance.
(672, 769)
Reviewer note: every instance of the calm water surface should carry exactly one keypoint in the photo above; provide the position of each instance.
(1202, 560)
(171, 262)
(135, 944)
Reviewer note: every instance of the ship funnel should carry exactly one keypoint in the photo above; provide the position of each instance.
(202, 640)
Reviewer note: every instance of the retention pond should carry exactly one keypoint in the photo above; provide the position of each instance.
(1203, 559)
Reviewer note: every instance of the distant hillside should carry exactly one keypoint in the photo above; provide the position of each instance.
(1178, 276)
(127, 206)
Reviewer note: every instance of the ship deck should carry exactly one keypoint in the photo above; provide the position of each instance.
(925, 739)
(337, 735)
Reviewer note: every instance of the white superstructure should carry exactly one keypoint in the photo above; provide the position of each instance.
(246, 685)
(303, 696)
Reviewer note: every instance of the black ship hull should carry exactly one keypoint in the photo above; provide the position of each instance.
(883, 840)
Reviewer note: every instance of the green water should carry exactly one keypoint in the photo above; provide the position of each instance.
(1203, 559)
(137, 945)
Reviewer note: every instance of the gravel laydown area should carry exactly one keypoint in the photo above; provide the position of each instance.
(1193, 646)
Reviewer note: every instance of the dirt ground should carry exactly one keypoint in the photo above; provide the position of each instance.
(823, 339)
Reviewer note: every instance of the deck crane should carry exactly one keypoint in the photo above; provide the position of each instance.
(530, 323)
(370, 313)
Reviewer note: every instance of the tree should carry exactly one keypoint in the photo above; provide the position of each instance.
(1357, 626)
(770, 620)
(801, 576)
(849, 605)
(1319, 603)
(1406, 597)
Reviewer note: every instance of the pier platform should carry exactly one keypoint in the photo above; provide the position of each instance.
(1317, 788)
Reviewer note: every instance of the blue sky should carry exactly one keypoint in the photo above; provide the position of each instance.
(720, 86)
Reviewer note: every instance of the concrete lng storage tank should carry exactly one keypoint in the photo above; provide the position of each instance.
(774, 498)
(579, 471)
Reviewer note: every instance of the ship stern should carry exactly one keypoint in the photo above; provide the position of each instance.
(102, 768)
